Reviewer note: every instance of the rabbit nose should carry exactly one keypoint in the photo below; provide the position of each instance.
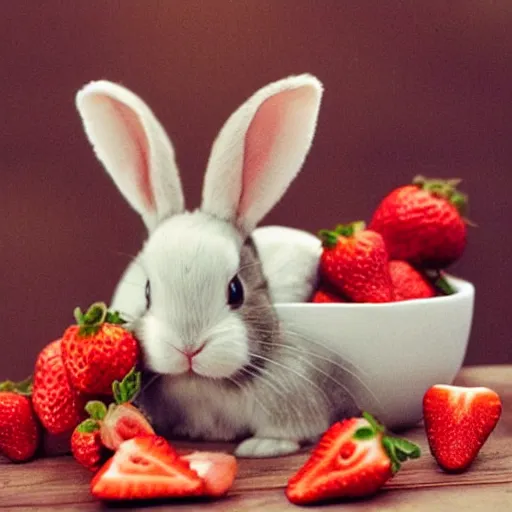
(190, 353)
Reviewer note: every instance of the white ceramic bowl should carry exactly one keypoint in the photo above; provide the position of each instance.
(396, 350)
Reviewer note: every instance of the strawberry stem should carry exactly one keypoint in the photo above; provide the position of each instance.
(96, 409)
(375, 425)
(351, 229)
(398, 449)
(440, 282)
(329, 238)
(96, 315)
(88, 426)
(446, 189)
(23, 387)
(128, 388)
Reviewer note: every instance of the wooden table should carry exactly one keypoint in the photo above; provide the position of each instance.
(59, 483)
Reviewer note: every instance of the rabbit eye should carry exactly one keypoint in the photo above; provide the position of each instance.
(148, 294)
(235, 293)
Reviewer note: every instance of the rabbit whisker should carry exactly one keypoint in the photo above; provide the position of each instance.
(293, 391)
(283, 366)
(342, 367)
(269, 379)
(152, 381)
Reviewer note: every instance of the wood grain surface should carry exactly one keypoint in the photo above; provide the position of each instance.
(58, 483)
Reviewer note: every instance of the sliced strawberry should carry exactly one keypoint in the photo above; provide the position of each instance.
(458, 420)
(121, 423)
(354, 458)
(144, 468)
(218, 470)
(123, 420)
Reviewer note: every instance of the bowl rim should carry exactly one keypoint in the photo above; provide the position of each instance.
(463, 289)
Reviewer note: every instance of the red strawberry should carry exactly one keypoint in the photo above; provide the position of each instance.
(422, 223)
(19, 431)
(458, 421)
(354, 458)
(123, 420)
(354, 261)
(217, 470)
(409, 283)
(86, 444)
(144, 468)
(98, 350)
(60, 408)
(325, 295)
(121, 423)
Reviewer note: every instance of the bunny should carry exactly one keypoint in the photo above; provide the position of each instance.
(218, 364)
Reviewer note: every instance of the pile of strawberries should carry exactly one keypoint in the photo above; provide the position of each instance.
(416, 232)
(69, 373)
(83, 387)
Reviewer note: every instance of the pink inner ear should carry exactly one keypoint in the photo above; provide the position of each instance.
(259, 142)
(140, 147)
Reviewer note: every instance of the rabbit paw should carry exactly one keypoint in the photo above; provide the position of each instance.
(266, 447)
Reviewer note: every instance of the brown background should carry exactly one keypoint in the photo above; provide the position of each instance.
(410, 87)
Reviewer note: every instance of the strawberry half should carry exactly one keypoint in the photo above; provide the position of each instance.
(122, 420)
(217, 470)
(458, 420)
(354, 458)
(145, 468)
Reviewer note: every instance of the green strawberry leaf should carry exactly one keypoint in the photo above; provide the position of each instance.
(364, 433)
(390, 450)
(91, 321)
(96, 409)
(114, 317)
(377, 427)
(351, 229)
(408, 449)
(399, 450)
(128, 388)
(329, 238)
(440, 282)
(88, 426)
(23, 387)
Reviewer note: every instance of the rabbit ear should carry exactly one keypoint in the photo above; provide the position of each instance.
(260, 149)
(133, 147)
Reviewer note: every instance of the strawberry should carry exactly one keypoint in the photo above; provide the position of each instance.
(122, 420)
(106, 429)
(98, 350)
(86, 444)
(458, 420)
(423, 223)
(409, 283)
(325, 295)
(217, 470)
(144, 468)
(19, 430)
(354, 261)
(60, 408)
(354, 458)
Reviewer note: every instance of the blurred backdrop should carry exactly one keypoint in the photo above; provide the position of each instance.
(410, 87)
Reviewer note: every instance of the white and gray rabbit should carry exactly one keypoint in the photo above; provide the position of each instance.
(201, 291)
